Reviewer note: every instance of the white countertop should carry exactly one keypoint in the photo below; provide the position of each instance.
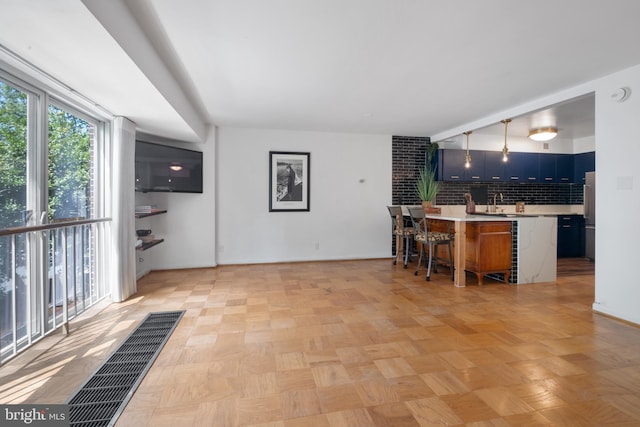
(457, 212)
(474, 218)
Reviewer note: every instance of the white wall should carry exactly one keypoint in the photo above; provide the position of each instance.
(348, 218)
(189, 225)
(617, 196)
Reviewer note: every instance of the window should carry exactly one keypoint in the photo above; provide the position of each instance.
(69, 148)
(49, 163)
(13, 156)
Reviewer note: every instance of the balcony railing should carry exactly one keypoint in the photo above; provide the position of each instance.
(49, 274)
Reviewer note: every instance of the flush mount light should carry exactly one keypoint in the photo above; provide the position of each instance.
(543, 134)
(175, 166)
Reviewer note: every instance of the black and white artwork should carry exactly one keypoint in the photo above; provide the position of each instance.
(288, 181)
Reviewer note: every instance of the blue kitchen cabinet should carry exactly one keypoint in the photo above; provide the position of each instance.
(476, 173)
(451, 165)
(495, 170)
(548, 168)
(571, 234)
(523, 167)
(584, 162)
(556, 168)
(565, 168)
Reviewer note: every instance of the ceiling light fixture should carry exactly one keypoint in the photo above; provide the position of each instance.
(505, 150)
(175, 166)
(543, 134)
(467, 157)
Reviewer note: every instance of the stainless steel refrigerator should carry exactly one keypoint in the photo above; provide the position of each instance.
(590, 215)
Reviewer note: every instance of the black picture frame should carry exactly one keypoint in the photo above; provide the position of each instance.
(289, 181)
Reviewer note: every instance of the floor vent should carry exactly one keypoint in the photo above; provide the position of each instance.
(103, 397)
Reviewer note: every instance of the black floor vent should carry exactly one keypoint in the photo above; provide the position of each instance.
(103, 397)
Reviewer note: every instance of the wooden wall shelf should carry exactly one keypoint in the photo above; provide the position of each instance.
(152, 213)
(149, 245)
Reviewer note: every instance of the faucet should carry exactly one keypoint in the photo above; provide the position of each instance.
(494, 200)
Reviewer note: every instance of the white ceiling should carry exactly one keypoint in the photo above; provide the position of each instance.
(411, 67)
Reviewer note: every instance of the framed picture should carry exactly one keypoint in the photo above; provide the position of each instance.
(288, 181)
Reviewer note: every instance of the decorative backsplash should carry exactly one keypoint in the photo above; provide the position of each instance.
(452, 193)
(408, 156)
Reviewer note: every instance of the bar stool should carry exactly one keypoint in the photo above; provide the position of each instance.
(427, 237)
(403, 234)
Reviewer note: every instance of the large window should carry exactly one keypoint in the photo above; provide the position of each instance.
(13, 156)
(69, 169)
(49, 155)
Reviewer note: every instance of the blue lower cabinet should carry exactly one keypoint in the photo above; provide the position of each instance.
(570, 236)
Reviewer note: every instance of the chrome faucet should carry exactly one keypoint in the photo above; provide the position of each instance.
(495, 196)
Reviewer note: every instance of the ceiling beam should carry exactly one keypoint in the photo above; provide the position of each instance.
(119, 21)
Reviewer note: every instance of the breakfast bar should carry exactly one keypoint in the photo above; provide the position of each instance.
(533, 246)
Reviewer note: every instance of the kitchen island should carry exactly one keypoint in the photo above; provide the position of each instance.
(534, 245)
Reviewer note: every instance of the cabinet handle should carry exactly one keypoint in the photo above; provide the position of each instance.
(566, 226)
(547, 178)
(455, 177)
(514, 178)
(495, 177)
(532, 178)
(564, 179)
(475, 177)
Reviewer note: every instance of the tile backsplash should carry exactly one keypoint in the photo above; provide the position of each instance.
(452, 193)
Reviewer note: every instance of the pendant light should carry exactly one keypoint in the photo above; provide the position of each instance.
(505, 150)
(467, 157)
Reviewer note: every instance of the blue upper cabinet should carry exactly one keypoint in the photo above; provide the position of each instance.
(556, 168)
(523, 167)
(548, 168)
(487, 166)
(451, 165)
(565, 168)
(584, 162)
(477, 170)
(495, 168)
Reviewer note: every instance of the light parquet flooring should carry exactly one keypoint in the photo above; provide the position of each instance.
(355, 343)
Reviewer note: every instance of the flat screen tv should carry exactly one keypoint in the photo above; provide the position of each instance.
(162, 168)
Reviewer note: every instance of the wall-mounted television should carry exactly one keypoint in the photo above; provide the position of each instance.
(163, 168)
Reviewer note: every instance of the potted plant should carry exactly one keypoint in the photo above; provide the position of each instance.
(432, 148)
(427, 187)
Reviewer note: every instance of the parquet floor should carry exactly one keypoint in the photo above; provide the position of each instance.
(355, 343)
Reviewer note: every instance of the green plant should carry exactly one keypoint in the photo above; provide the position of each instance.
(432, 148)
(427, 186)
